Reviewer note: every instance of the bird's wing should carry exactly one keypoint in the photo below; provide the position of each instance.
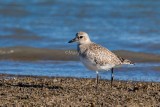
(100, 55)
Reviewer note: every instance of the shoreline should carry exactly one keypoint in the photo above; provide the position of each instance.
(34, 54)
(69, 91)
(5, 75)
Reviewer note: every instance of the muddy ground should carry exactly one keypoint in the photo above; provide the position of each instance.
(76, 92)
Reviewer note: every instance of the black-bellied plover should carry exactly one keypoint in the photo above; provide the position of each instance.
(95, 57)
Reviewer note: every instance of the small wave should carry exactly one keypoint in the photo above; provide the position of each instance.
(30, 53)
(14, 11)
(19, 34)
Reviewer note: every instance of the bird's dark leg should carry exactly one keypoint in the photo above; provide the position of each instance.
(112, 76)
(97, 79)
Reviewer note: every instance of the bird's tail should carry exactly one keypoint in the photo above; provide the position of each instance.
(127, 62)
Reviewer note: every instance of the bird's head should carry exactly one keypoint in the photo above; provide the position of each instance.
(81, 38)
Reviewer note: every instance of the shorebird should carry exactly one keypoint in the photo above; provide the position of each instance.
(96, 57)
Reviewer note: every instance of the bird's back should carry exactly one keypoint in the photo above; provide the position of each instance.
(98, 55)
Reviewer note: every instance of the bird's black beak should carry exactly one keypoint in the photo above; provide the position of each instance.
(73, 40)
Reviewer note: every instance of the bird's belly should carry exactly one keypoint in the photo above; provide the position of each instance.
(95, 67)
(89, 64)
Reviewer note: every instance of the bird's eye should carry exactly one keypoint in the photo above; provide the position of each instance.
(81, 37)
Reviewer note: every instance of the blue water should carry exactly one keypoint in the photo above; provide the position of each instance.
(117, 24)
(132, 25)
(139, 72)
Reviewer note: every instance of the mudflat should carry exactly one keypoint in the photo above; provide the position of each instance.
(16, 90)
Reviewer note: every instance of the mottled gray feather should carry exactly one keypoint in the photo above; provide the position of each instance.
(98, 54)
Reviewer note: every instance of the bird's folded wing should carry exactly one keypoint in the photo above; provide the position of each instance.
(100, 55)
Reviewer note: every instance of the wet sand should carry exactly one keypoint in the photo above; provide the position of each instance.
(32, 54)
(74, 92)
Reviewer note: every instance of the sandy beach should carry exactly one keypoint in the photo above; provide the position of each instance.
(75, 92)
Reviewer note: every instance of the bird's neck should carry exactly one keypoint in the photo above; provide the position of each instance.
(85, 43)
(82, 47)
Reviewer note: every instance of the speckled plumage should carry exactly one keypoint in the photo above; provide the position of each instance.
(98, 56)
(95, 57)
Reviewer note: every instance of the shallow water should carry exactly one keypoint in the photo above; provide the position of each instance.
(132, 25)
(139, 72)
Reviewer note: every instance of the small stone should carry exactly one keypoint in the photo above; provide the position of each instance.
(55, 80)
